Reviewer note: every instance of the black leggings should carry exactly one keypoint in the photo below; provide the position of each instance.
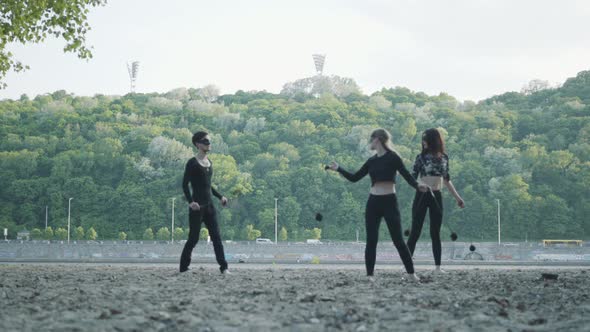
(208, 215)
(384, 206)
(423, 202)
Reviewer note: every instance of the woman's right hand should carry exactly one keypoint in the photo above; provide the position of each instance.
(194, 206)
(334, 166)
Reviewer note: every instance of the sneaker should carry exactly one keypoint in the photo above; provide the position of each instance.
(186, 269)
(226, 271)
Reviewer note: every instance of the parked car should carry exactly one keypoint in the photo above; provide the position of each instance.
(263, 241)
(313, 241)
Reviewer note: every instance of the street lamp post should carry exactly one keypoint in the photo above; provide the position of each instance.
(499, 239)
(46, 208)
(276, 221)
(172, 232)
(69, 205)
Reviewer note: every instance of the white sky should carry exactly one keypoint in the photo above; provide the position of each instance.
(471, 49)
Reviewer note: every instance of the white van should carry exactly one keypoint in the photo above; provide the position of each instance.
(313, 241)
(263, 241)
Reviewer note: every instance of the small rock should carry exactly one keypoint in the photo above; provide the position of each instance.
(308, 298)
(361, 328)
(160, 315)
(314, 321)
(549, 276)
(537, 321)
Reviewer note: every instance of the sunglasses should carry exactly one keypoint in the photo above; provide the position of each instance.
(205, 141)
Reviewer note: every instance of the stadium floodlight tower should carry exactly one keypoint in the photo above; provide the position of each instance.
(133, 69)
(319, 60)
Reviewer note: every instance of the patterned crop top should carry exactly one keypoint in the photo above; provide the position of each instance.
(429, 165)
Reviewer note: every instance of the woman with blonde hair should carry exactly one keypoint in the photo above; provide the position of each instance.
(382, 203)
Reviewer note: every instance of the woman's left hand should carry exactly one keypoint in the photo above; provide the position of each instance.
(423, 188)
(460, 203)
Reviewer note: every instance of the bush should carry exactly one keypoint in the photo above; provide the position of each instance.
(36, 234)
(48, 234)
(204, 234)
(91, 234)
(79, 233)
(148, 234)
(163, 234)
(61, 234)
(122, 236)
(178, 233)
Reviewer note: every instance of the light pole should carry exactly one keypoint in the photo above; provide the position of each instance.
(276, 220)
(173, 198)
(499, 239)
(46, 207)
(69, 205)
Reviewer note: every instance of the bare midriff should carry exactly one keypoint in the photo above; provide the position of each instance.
(383, 188)
(434, 182)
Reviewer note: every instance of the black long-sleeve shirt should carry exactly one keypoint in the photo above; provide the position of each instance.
(383, 168)
(200, 179)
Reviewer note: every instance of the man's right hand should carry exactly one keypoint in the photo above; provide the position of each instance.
(194, 206)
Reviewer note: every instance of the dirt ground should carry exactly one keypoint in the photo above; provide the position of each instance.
(121, 297)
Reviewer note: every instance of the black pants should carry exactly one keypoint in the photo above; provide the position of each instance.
(434, 205)
(208, 215)
(386, 206)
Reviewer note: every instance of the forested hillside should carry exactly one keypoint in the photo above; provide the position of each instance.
(121, 159)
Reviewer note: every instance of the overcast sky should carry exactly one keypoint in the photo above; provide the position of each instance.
(471, 49)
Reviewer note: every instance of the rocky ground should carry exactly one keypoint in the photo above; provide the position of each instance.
(118, 297)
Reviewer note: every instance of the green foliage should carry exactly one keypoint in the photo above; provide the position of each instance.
(283, 234)
(123, 158)
(122, 236)
(91, 234)
(33, 21)
(148, 234)
(163, 234)
(251, 233)
(178, 233)
(48, 234)
(61, 234)
(204, 234)
(36, 234)
(79, 233)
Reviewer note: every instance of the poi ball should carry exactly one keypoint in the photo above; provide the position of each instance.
(454, 236)
(472, 248)
(319, 217)
(407, 232)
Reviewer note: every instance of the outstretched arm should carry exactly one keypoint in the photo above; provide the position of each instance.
(364, 170)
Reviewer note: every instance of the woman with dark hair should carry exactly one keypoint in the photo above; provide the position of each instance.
(198, 173)
(382, 202)
(432, 168)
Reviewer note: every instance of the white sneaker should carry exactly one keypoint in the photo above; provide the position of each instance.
(226, 272)
(413, 278)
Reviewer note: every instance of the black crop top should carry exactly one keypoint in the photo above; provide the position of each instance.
(200, 180)
(382, 168)
(429, 165)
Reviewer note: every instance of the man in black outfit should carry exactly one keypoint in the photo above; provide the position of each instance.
(198, 172)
